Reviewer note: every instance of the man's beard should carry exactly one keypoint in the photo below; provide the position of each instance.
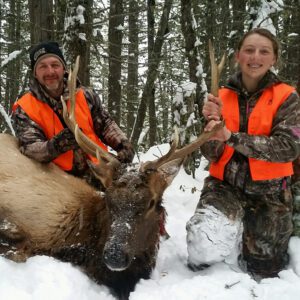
(54, 89)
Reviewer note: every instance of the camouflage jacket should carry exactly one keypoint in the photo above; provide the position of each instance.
(34, 144)
(282, 145)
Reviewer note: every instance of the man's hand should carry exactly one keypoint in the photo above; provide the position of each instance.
(212, 108)
(65, 141)
(125, 152)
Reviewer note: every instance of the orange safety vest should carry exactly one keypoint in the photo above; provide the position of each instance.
(260, 123)
(42, 114)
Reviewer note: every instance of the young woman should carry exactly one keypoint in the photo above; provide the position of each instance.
(247, 196)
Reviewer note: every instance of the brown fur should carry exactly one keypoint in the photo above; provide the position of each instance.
(114, 238)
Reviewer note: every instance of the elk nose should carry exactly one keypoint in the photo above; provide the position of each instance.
(115, 257)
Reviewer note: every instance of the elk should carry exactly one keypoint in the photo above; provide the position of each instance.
(112, 236)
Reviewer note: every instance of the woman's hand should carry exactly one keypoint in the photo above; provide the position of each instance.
(221, 135)
(212, 108)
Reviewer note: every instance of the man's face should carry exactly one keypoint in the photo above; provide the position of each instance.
(49, 71)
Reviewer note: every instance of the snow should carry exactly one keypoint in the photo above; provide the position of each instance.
(80, 17)
(263, 14)
(43, 277)
(7, 118)
(10, 57)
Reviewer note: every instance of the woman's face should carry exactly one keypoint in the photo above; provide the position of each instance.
(255, 58)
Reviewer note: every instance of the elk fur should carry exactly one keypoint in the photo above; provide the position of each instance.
(113, 238)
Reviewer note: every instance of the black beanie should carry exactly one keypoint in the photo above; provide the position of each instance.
(45, 48)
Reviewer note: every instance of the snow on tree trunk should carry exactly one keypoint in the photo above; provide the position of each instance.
(187, 119)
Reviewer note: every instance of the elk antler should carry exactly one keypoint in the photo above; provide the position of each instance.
(174, 153)
(85, 143)
(215, 69)
(205, 136)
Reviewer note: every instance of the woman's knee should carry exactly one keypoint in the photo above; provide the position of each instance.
(213, 237)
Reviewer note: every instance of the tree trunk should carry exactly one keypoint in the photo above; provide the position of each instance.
(238, 21)
(191, 49)
(60, 8)
(13, 68)
(151, 100)
(194, 102)
(41, 20)
(152, 72)
(115, 34)
(133, 55)
(78, 35)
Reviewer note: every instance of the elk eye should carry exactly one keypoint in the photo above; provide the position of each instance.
(151, 204)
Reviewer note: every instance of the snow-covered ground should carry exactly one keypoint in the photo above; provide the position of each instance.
(48, 279)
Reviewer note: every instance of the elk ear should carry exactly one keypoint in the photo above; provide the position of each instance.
(102, 172)
(164, 176)
(170, 169)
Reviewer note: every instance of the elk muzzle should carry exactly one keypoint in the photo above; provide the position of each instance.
(116, 253)
(115, 257)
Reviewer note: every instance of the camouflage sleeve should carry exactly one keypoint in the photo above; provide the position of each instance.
(212, 150)
(282, 145)
(105, 127)
(32, 141)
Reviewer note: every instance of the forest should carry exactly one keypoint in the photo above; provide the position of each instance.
(148, 60)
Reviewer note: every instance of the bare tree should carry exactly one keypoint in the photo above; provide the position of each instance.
(13, 67)
(289, 37)
(152, 71)
(151, 96)
(115, 34)
(41, 17)
(77, 37)
(238, 16)
(60, 8)
(194, 101)
(132, 73)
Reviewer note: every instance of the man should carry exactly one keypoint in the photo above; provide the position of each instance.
(39, 124)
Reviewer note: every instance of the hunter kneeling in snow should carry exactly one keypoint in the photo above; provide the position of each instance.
(246, 203)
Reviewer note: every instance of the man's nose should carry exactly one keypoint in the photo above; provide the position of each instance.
(50, 69)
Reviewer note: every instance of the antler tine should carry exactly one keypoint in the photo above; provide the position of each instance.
(69, 117)
(215, 69)
(90, 147)
(85, 143)
(72, 90)
(153, 165)
(188, 149)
